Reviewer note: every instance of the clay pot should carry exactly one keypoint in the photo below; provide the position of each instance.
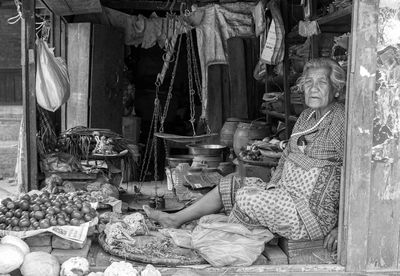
(247, 133)
(228, 131)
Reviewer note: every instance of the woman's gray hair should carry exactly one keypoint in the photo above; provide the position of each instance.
(337, 74)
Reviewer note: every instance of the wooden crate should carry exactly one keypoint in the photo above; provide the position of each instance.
(306, 251)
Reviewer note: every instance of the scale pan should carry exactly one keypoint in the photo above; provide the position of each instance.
(184, 139)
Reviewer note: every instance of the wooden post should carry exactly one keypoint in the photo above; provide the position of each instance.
(360, 115)
(286, 87)
(28, 63)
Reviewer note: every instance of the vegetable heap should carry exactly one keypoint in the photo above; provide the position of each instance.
(32, 212)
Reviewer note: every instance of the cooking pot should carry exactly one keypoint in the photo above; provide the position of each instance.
(206, 150)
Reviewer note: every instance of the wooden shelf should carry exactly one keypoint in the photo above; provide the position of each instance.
(336, 22)
(279, 115)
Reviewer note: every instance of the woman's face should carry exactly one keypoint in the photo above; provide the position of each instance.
(318, 89)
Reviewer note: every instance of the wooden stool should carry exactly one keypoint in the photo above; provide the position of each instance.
(306, 251)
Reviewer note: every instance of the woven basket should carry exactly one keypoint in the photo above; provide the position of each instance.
(148, 259)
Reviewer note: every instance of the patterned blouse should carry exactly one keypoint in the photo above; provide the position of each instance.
(324, 145)
(317, 143)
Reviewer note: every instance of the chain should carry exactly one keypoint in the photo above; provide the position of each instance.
(190, 77)
(195, 69)
(170, 88)
(149, 149)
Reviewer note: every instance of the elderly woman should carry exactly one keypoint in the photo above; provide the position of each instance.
(301, 200)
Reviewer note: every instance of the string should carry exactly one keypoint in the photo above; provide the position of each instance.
(15, 19)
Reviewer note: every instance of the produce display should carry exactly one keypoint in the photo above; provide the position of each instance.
(40, 263)
(75, 266)
(11, 257)
(32, 212)
(260, 149)
(15, 254)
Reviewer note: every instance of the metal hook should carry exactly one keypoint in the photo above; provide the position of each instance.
(172, 6)
(166, 5)
(182, 12)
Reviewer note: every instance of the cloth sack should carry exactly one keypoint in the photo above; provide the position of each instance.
(223, 244)
(52, 81)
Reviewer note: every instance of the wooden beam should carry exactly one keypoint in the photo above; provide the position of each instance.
(72, 7)
(360, 115)
(142, 5)
(29, 92)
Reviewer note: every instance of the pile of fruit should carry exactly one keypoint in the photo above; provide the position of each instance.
(251, 153)
(32, 212)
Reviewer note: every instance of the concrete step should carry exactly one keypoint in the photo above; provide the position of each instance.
(8, 158)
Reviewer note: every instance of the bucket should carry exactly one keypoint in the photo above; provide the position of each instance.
(228, 131)
(248, 132)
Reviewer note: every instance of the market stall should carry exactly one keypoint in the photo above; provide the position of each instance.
(167, 101)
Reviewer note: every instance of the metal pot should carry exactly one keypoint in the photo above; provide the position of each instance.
(206, 150)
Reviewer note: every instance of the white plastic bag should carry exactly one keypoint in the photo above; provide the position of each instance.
(52, 81)
(221, 243)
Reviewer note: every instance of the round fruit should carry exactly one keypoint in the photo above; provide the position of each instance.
(76, 214)
(24, 205)
(39, 215)
(50, 211)
(53, 221)
(2, 226)
(14, 221)
(44, 223)
(35, 207)
(10, 205)
(18, 213)
(24, 223)
(69, 209)
(5, 201)
(9, 214)
(3, 209)
(2, 218)
(16, 228)
(85, 209)
(26, 197)
(87, 217)
(74, 222)
(61, 221)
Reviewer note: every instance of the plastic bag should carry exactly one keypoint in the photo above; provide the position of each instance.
(221, 243)
(52, 81)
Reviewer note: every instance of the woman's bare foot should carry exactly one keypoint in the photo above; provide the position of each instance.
(165, 219)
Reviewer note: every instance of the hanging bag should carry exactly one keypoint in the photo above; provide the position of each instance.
(52, 81)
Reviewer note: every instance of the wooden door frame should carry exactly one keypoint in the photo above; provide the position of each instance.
(28, 62)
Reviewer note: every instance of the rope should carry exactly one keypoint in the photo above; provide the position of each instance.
(191, 90)
(15, 19)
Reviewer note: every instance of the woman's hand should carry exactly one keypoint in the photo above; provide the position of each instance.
(331, 240)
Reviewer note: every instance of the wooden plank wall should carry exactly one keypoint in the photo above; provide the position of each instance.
(77, 107)
(10, 86)
(372, 174)
(384, 224)
(359, 133)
